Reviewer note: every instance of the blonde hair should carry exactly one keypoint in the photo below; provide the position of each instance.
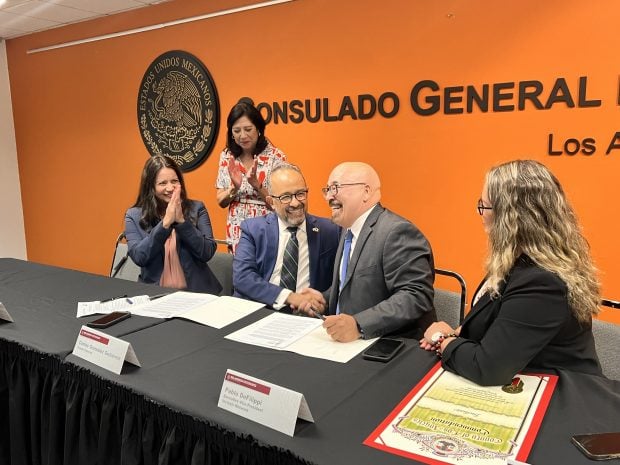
(532, 216)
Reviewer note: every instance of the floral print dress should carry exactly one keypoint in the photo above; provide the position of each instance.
(247, 203)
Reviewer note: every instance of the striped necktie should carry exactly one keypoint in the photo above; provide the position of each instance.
(288, 275)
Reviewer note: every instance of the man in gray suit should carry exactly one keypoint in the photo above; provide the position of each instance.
(383, 275)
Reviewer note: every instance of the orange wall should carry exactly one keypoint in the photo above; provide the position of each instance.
(80, 152)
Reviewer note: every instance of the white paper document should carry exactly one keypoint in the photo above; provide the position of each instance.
(206, 309)
(112, 305)
(317, 343)
(174, 304)
(304, 336)
(222, 311)
(263, 402)
(276, 331)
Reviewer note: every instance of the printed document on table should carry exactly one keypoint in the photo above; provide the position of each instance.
(206, 309)
(113, 305)
(222, 311)
(317, 343)
(174, 304)
(449, 419)
(276, 331)
(298, 334)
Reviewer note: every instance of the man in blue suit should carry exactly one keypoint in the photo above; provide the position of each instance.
(265, 269)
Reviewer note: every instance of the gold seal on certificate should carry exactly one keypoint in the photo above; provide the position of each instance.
(515, 387)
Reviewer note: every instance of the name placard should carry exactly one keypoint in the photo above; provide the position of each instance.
(4, 314)
(104, 350)
(268, 404)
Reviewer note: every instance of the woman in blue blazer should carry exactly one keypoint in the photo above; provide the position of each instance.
(168, 235)
(534, 309)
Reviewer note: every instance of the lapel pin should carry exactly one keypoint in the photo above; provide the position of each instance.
(315, 229)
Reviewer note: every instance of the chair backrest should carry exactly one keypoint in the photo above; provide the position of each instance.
(607, 340)
(123, 267)
(610, 303)
(221, 264)
(450, 305)
(224, 245)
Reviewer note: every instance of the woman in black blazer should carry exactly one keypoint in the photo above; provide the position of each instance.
(534, 309)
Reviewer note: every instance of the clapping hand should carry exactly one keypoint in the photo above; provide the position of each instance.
(174, 210)
(252, 178)
(234, 171)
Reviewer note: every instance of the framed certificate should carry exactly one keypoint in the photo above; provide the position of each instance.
(448, 419)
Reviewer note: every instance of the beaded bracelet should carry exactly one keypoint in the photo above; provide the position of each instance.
(437, 339)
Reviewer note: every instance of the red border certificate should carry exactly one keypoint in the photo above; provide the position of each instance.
(448, 419)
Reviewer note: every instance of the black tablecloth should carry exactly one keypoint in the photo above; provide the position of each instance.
(72, 412)
(43, 302)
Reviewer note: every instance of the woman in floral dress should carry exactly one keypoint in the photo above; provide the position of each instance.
(245, 164)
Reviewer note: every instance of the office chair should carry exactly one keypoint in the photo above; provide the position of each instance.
(221, 264)
(450, 305)
(607, 340)
(123, 267)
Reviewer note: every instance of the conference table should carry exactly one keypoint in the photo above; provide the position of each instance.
(56, 408)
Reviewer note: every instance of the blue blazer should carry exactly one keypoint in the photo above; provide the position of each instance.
(257, 252)
(195, 246)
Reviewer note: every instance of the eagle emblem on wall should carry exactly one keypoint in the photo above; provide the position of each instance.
(178, 110)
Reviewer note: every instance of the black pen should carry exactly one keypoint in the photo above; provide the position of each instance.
(317, 314)
(158, 296)
(113, 298)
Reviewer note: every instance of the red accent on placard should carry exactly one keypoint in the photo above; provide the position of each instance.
(248, 383)
(94, 337)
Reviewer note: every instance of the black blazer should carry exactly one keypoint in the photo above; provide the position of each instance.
(530, 326)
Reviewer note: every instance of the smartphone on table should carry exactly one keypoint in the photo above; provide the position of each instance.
(598, 446)
(383, 350)
(108, 320)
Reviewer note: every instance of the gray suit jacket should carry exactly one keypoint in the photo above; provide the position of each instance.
(389, 282)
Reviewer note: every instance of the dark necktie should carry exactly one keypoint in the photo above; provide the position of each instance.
(288, 276)
(346, 251)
